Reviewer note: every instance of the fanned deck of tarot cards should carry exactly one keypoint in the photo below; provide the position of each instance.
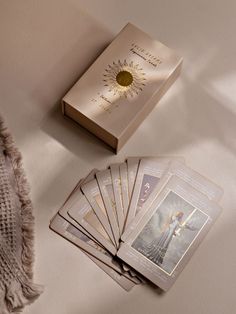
(141, 220)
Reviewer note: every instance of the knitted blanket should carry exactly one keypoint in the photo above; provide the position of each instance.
(16, 230)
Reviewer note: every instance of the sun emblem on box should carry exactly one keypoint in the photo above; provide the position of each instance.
(124, 78)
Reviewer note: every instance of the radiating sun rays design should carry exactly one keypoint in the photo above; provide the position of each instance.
(124, 78)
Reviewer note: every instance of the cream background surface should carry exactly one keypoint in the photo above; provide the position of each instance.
(45, 46)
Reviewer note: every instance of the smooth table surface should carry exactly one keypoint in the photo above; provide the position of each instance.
(45, 46)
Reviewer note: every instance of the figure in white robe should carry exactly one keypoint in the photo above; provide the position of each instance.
(157, 249)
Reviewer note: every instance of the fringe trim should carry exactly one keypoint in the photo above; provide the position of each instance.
(23, 194)
(17, 295)
(27, 292)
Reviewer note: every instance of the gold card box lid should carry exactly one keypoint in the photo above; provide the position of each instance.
(122, 86)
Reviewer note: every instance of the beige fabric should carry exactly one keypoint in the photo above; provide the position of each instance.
(16, 230)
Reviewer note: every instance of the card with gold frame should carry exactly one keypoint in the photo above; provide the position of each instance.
(116, 183)
(72, 198)
(124, 187)
(150, 171)
(178, 168)
(86, 244)
(166, 237)
(132, 167)
(104, 181)
(84, 215)
(196, 180)
(93, 195)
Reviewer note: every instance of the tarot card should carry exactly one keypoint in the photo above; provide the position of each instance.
(95, 222)
(150, 171)
(76, 188)
(170, 231)
(72, 198)
(200, 183)
(94, 197)
(132, 164)
(84, 215)
(78, 238)
(116, 183)
(133, 272)
(124, 187)
(122, 281)
(105, 184)
(68, 231)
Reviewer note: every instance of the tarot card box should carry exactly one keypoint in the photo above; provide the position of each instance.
(122, 86)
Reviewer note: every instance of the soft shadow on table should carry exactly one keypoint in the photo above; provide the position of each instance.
(90, 43)
(125, 303)
(196, 116)
(74, 137)
(46, 49)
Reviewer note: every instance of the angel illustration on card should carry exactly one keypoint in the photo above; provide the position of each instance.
(157, 248)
